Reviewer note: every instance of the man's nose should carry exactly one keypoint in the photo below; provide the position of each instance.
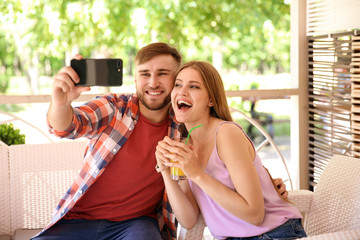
(154, 81)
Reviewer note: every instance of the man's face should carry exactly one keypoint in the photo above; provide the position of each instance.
(154, 81)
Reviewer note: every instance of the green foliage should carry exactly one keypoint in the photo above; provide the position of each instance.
(281, 126)
(4, 82)
(7, 59)
(252, 35)
(11, 108)
(10, 135)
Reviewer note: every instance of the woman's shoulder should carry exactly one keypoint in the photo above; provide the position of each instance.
(231, 139)
(228, 131)
(229, 127)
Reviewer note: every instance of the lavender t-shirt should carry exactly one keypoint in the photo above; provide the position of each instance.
(223, 224)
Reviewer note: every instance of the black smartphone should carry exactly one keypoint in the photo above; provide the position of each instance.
(99, 71)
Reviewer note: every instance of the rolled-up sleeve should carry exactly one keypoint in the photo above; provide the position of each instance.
(89, 119)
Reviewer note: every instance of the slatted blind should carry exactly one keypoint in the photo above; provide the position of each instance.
(330, 99)
(355, 93)
(332, 31)
(332, 16)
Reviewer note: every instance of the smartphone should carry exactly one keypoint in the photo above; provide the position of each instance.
(99, 71)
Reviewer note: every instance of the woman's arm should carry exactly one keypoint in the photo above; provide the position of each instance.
(180, 196)
(237, 153)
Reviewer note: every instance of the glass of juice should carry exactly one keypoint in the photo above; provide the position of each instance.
(175, 172)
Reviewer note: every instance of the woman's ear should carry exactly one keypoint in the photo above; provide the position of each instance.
(211, 103)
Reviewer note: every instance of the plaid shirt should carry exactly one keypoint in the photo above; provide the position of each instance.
(107, 122)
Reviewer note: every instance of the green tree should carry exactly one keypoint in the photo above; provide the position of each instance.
(42, 35)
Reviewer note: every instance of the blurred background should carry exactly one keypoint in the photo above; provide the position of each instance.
(247, 41)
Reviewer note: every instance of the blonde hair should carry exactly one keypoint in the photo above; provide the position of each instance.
(214, 86)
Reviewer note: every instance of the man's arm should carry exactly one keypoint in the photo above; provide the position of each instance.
(64, 92)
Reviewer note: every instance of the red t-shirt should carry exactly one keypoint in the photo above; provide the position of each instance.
(129, 187)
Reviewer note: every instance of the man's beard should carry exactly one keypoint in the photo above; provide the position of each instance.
(154, 107)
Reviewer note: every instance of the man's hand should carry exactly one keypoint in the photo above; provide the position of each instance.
(64, 92)
(281, 188)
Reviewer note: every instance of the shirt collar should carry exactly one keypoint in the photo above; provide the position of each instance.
(134, 107)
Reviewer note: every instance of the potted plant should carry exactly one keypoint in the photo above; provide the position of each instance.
(10, 135)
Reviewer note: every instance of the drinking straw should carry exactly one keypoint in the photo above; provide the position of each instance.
(188, 136)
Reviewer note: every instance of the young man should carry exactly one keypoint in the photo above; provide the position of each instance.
(118, 191)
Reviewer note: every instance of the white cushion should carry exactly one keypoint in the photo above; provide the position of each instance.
(25, 234)
(5, 237)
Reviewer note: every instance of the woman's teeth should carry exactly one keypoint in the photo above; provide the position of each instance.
(182, 104)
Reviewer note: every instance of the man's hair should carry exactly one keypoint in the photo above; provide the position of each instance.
(155, 49)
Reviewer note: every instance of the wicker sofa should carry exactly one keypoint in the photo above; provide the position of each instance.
(33, 178)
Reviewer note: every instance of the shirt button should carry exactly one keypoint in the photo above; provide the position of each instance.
(130, 129)
(80, 191)
(114, 150)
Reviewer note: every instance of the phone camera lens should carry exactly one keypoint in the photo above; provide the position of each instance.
(118, 64)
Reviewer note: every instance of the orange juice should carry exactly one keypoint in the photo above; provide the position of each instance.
(176, 173)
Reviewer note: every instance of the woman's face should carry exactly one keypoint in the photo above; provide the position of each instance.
(189, 98)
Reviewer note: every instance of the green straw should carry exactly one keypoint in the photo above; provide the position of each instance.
(188, 136)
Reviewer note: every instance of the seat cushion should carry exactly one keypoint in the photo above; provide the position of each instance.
(5, 237)
(25, 234)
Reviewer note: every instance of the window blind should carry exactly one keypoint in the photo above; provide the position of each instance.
(332, 16)
(355, 94)
(331, 79)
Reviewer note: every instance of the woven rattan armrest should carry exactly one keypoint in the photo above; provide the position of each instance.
(301, 199)
(196, 233)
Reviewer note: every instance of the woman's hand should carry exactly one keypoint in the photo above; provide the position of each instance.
(160, 158)
(183, 156)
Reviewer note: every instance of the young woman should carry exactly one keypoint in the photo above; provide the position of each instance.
(226, 179)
